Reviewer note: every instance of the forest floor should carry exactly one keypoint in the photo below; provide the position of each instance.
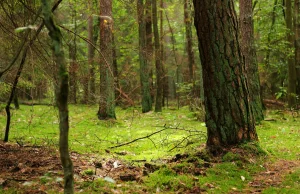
(28, 166)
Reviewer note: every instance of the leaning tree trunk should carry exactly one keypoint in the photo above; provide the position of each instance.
(229, 117)
(61, 97)
(144, 68)
(158, 64)
(291, 65)
(249, 55)
(107, 89)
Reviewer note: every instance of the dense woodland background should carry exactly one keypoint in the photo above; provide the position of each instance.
(146, 54)
(182, 78)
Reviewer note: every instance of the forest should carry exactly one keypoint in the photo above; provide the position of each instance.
(149, 96)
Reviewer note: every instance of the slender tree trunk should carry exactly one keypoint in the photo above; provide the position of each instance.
(107, 89)
(16, 100)
(163, 57)
(229, 117)
(189, 39)
(116, 74)
(291, 65)
(61, 97)
(73, 63)
(93, 31)
(149, 45)
(158, 65)
(267, 59)
(297, 43)
(144, 68)
(249, 56)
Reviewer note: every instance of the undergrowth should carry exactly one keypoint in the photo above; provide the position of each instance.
(181, 163)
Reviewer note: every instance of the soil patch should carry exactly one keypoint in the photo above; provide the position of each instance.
(272, 176)
(30, 169)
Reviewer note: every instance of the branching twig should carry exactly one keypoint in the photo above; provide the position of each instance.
(140, 138)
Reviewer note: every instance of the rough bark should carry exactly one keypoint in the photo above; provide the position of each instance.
(250, 59)
(291, 65)
(107, 89)
(61, 97)
(229, 117)
(158, 64)
(297, 43)
(144, 68)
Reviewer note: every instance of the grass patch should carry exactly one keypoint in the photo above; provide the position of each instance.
(278, 139)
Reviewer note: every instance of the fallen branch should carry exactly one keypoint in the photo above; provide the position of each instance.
(140, 138)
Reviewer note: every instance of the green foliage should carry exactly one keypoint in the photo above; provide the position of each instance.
(4, 89)
(282, 93)
(88, 172)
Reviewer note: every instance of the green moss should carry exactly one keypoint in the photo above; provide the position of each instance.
(253, 148)
(166, 179)
(229, 157)
(88, 172)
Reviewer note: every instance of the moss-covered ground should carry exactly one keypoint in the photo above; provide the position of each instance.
(167, 156)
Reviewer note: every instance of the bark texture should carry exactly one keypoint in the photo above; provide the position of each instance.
(250, 59)
(144, 67)
(158, 64)
(229, 118)
(107, 89)
(61, 97)
(189, 39)
(297, 43)
(93, 31)
(291, 65)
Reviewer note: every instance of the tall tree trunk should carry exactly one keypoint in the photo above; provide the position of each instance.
(291, 65)
(149, 45)
(93, 31)
(73, 63)
(144, 68)
(297, 43)
(249, 56)
(189, 39)
(158, 65)
(267, 59)
(229, 117)
(107, 89)
(163, 57)
(61, 97)
(115, 69)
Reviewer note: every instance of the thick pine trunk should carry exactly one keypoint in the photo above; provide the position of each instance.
(229, 117)
(61, 98)
(144, 67)
(249, 56)
(107, 91)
